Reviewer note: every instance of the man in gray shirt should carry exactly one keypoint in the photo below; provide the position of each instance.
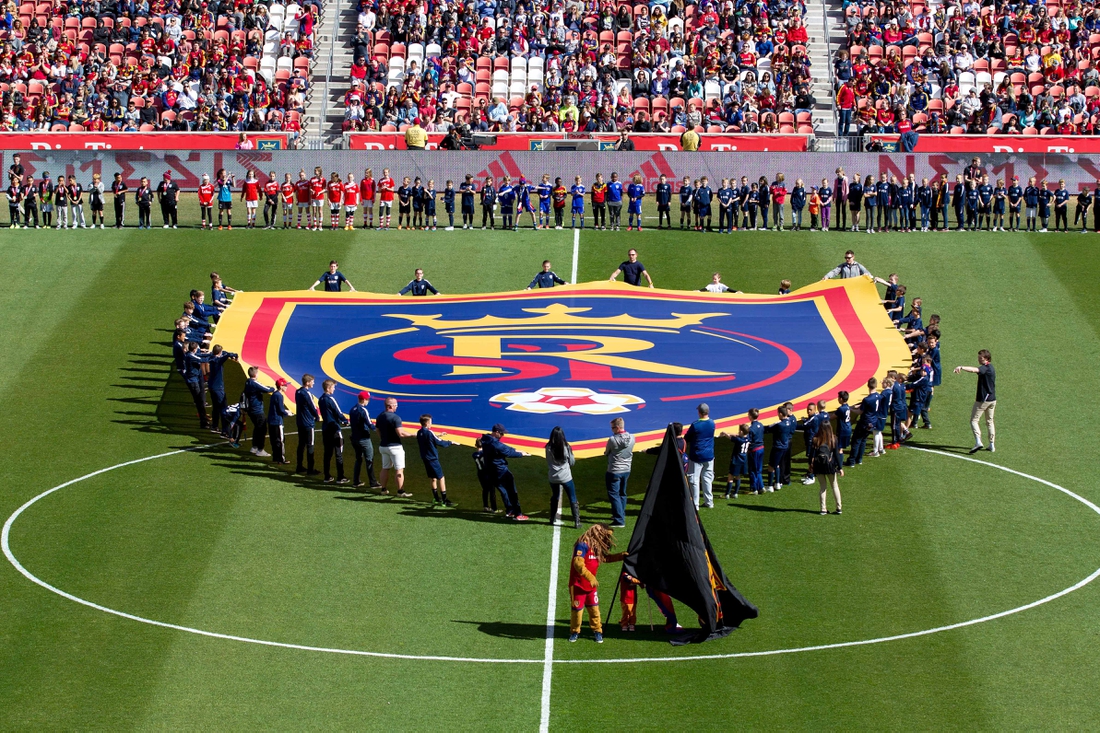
(850, 268)
(619, 452)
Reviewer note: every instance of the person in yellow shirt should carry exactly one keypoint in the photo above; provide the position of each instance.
(415, 137)
(689, 139)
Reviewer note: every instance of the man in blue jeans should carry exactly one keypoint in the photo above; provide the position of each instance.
(619, 452)
(700, 453)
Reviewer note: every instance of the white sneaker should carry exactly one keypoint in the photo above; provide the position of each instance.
(165, 226)
(253, 450)
(100, 226)
(1043, 229)
(450, 229)
(263, 454)
(807, 481)
(992, 448)
(770, 490)
(874, 454)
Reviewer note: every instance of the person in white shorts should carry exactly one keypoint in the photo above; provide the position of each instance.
(390, 432)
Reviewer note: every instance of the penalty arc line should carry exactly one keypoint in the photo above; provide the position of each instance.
(5, 536)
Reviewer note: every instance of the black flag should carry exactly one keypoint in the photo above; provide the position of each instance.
(669, 551)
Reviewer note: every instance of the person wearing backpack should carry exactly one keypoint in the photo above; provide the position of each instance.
(826, 464)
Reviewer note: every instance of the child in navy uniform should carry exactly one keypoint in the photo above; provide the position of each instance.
(429, 444)
(756, 453)
(485, 478)
(843, 425)
(738, 459)
(868, 410)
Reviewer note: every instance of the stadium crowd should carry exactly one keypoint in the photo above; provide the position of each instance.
(132, 65)
(972, 201)
(1004, 67)
(581, 66)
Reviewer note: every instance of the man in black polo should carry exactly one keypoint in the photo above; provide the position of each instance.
(632, 271)
(985, 401)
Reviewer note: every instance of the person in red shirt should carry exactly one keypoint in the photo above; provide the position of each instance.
(351, 202)
(386, 188)
(287, 190)
(303, 190)
(335, 198)
(250, 194)
(271, 201)
(206, 202)
(366, 195)
(317, 186)
(591, 549)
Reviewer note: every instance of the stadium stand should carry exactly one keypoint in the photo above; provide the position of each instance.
(970, 67)
(582, 66)
(128, 65)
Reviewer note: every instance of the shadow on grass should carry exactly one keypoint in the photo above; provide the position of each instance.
(611, 629)
(769, 508)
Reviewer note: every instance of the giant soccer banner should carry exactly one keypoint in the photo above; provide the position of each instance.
(575, 356)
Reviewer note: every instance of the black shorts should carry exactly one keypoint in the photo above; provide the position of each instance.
(403, 208)
(704, 211)
(225, 205)
(97, 206)
(662, 207)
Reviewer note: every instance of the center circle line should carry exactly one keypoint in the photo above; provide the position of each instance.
(5, 545)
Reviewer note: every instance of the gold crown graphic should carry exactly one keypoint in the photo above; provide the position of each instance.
(557, 315)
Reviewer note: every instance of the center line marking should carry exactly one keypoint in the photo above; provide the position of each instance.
(551, 615)
(576, 252)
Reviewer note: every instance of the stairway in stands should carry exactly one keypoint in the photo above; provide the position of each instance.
(819, 49)
(332, 72)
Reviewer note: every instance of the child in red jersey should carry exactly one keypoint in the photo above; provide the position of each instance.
(351, 202)
(206, 202)
(287, 190)
(335, 199)
(317, 186)
(366, 196)
(250, 194)
(591, 549)
(386, 188)
(302, 189)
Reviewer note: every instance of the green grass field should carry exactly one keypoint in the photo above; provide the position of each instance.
(223, 542)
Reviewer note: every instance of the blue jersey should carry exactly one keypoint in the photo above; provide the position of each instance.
(635, 192)
(466, 190)
(844, 421)
(507, 196)
(543, 190)
(225, 192)
(756, 434)
(868, 408)
(686, 195)
(725, 196)
(1015, 193)
(577, 192)
(826, 195)
(449, 199)
(663, 194)
(615, 192)
(703, 195)
(1031, 197)
(985, 194)
(1061, 196)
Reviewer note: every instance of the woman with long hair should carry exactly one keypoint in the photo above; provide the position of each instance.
(827, 464)
(559, 462)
